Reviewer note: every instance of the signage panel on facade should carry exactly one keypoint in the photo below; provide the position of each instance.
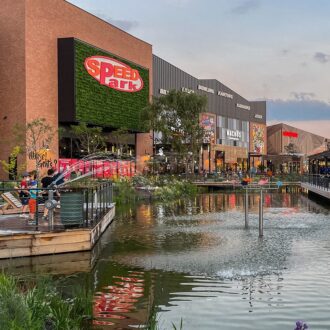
(243, 106)
(290, 134)
(258, 138)
(163, 91)
(187, 90)
(208, 122)
(205, 89)
(234, 135)
(258, 116)
(224, 94)
(114, 74)
(108, 91)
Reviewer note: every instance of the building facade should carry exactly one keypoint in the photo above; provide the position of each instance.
(289, 147)
(235, 127)
(44, 76)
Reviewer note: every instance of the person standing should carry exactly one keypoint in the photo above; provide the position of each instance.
(33, 191)
(46, 183)
(24, 194)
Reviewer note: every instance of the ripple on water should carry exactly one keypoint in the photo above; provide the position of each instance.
(236, 280)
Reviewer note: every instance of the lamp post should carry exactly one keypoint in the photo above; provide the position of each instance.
(202, 153)
(209, 151)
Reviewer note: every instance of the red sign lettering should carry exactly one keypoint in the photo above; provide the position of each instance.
(290, 134)
(114, 74)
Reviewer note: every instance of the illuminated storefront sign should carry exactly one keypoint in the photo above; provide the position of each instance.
(258, 138)
(205, 89)
(243, 106)
(224, 94)
(290, 134)
(208, 122)
(234, 135)
(114, 74)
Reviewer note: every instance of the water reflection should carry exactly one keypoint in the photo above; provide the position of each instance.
(194, 260)
(200, 264)
(117, 299)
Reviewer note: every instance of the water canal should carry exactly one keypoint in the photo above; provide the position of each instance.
(193, 260)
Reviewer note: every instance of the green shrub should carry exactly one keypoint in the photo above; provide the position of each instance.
(39, 305)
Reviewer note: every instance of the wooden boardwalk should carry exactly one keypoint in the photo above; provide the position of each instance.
(234, 184)
(19, 239)
(325, 193)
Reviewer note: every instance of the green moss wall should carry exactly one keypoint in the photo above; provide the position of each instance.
(100, 105)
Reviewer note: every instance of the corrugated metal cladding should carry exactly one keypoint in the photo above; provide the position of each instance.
(167, 77)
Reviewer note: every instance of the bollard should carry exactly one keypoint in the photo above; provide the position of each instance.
(261, 215)
(246, 208)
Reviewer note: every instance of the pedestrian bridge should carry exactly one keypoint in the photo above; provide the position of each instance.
(317, 184)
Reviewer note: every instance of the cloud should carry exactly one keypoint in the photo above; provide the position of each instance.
(245, 7)
(321, 57)
(303, 96)
(302, 108)
(125, 25)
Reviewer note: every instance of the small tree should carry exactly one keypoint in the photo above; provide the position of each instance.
(11, 167)
(291, 149)
(120, 138)
(34, 140)
(39, 136)
(177, 116)
(90, 139)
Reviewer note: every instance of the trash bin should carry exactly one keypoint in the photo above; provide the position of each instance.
(72, 208)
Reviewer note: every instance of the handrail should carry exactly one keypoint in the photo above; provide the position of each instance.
(93, 203)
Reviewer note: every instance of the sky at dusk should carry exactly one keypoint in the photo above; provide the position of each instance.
(277, 51)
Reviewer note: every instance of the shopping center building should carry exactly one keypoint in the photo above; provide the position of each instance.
(66, 65)
(235, 127)
(63, 64)
(289, 148)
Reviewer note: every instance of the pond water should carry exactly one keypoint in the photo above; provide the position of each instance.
(194, 261)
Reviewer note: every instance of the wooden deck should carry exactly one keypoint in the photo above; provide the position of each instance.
(18, 239)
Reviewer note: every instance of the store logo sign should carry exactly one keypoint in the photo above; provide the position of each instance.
(234, 135)
(243, 106)
(114, 74)
(290, 134)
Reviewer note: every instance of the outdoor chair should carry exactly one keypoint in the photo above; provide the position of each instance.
(12, 204)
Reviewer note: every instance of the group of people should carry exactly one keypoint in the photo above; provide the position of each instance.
(29, 192)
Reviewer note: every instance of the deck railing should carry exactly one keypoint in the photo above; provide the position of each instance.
(317, 180)
(68, 207)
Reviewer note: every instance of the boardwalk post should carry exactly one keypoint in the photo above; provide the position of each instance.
(261, 215)
(51, 210)
(246, 209)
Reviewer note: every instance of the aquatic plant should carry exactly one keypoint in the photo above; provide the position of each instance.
(38, 304)
(301, 325)
(154, 321)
